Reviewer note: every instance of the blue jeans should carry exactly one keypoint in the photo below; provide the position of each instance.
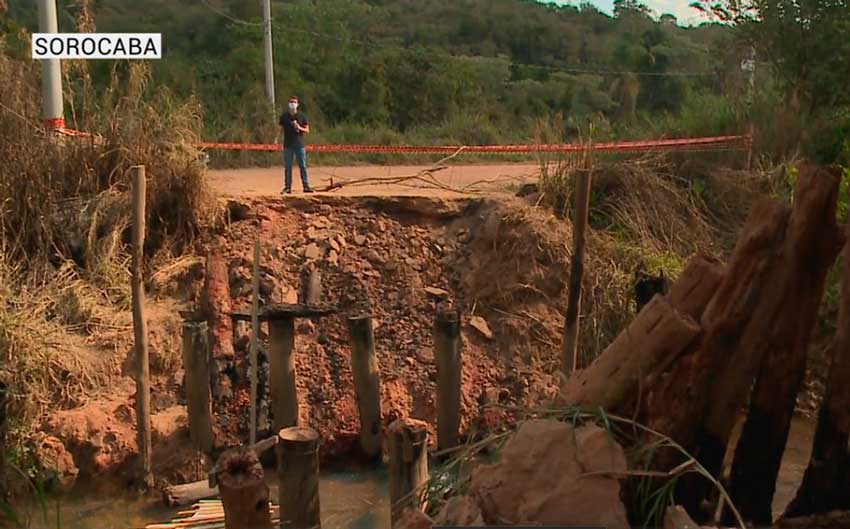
(301, 154)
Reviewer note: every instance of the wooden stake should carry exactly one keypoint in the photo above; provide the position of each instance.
(298, 472)
(140, 328)
(196, 359)
(447, 355)
(364, 366)
(282, 372)
(569, 346)
(255, 331)
(244, 493)
(407, 444)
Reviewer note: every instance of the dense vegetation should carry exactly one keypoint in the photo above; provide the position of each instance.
(473, 71)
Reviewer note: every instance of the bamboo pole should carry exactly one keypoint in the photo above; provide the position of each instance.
(255, 331)
(447, 354)
(140, 330)
(569, 347)
(197, 366)
(298, 472)
(367, 388)
(407, 445)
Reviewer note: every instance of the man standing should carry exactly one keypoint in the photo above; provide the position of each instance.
(295, 126)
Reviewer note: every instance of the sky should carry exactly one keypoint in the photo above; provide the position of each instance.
(686, 15)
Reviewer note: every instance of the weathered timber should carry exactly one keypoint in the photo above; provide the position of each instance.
(447, 355)
(811, 246)
(197, 367)
(657, 335)
(255, 331)
(367, 383)
(825, 486)
(651, 343)
(283, 311)
(215, 306)
(298, 472)
(244, 493)
(140, 328)
(569, 346)
(188, 494)
(407, 444)
(283, 390)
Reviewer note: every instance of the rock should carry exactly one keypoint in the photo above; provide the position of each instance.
(341, 240)
(333, 258)
(425, 355)
(266, 286)
(312, 252)
(55, 462)
(436, 292)
(464, 236)
(521, 489)
(460, 511)
(311, 233)
(291, 297)
(305, 327)
(335, 246)
(410, 361)
(359, 239)
(413, 519)
(480, 324)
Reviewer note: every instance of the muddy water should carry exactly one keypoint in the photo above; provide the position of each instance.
(348, 501)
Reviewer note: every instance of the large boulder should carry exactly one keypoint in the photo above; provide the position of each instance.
(549, 474)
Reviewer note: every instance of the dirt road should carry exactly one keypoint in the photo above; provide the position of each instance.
(469, 178)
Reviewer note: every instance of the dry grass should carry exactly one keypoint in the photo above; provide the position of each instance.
(64, 230)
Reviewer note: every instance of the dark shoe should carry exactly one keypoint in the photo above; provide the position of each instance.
(309, 190)
(286, 192)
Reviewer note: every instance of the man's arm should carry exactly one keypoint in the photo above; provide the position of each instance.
(305, 128)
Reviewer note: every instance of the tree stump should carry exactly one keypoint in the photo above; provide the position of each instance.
(407, 444)
(244, 493)
(298, 472)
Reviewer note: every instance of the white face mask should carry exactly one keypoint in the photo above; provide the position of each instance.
(293, 107)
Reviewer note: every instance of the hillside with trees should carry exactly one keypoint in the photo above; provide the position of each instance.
(474, 71)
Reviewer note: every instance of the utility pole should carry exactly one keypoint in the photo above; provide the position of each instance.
(51, 76)
(267, 30)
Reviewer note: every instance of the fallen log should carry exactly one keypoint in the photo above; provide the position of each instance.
(658, 335)
(824, 487)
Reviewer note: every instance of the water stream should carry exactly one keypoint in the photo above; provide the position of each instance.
(349, 500)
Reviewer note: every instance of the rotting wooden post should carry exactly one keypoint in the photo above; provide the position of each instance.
(255, 331)
(824, 486)
(140, 327)
(447, 355)
(244, 493)
(282, 372)
(407, 445)
(364, 366)
(298, 472)
(196, 362)
(569, 346)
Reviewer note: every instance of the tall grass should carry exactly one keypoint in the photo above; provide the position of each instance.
(64, 230)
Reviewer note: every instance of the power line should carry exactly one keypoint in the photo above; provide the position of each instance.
(228, 16)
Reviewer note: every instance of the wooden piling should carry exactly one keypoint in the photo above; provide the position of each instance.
(312, 289)
(282, 372)
(447, 355)
(407, 444)
(364, 366)
(569, 346)
(244, 493)
(140, 330)
(298, 472)
(196, 363)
